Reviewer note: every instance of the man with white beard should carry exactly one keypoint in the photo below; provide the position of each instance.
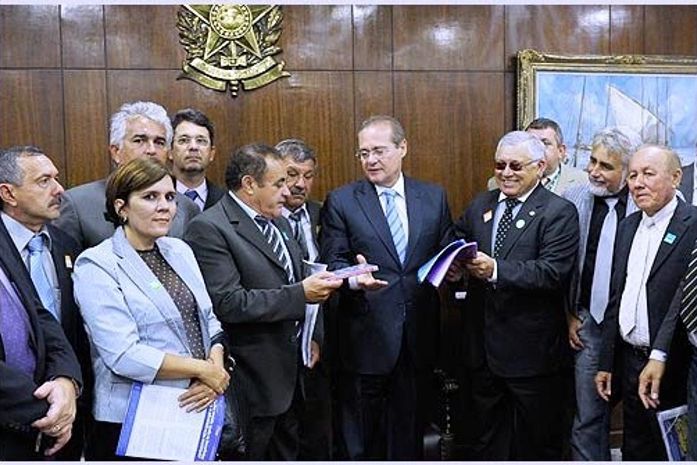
(601, 203)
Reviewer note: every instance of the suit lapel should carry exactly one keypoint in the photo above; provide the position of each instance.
(624, 244)
(60, 263)
(676, 227)
(415, 215)
(368, 201)
(486, 222)
(528, 213)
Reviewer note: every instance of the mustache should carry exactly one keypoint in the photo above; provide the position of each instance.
(297, 191)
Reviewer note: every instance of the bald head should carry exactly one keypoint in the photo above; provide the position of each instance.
(654, 176)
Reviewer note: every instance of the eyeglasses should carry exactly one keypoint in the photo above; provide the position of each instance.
(380, 152)
(514, 165)
(184, 140)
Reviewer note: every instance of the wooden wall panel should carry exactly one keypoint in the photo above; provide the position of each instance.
(568, 29)
(317, 37)
(143, 37)
(372, 37)
(374, 95)
(29, 36)
(32, 111)
(82, 31)
(87, 141)
(627, 26)
(671, 30)
(448, 37)
(449, 144)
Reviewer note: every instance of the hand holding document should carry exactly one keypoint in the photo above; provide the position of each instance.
(311, 311)
(435, 269)
(156, 427)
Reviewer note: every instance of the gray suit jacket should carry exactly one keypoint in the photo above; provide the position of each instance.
(83, 214)
(570, 176)
(583, 199)
(251, 296)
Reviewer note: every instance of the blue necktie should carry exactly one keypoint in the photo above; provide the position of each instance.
(275, 242)
(395, 224)
(38, 275)
(15, 331)
(192, 194)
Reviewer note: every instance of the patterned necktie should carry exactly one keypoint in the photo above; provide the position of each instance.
(688, 309)
(298, 233)
(275, 242)
(192, 194)
(39, 277)
(395, 224)
(600, 289)
(504, 225)
(15, 331)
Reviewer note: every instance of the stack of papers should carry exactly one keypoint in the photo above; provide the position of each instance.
(435, 269)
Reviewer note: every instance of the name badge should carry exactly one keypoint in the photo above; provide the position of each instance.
(670, 238)
(69, 262)
(487, 216)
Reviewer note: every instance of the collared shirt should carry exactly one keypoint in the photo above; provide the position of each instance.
(500, 208)
(400, 202)
(651, 229)
(550, 182)
(21, 235)
(201, 190)
(252, 213)
(306, 225)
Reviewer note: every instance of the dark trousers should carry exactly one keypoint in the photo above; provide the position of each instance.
(15, 446)
(274, 437)
(315, 415)
(82, 426)
(518, 418)
(381, 415)
(104, 438)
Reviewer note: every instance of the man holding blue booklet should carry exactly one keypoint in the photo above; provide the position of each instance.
(389, 322)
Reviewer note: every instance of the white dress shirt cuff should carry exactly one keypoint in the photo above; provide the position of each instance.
(353, 283)
(658, 355)
(495, 274)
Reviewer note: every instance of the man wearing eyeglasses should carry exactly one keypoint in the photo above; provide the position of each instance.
(514, 315)
(193, 150)
(558, 176)
(388, 322)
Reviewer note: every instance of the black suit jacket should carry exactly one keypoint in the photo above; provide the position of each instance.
(215, 193)
(253, 300)
(517, 326)
(664, 279)
(687, 184)
(372, 324)
(18, 406)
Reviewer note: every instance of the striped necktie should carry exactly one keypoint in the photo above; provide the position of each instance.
(395, 224)
(274, 241)
(688, 309)
(298, 233)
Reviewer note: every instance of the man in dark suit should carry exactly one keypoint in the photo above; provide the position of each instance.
(687, 182)
(136, 130)
(193, 149)
(315, 415)
(39, 373)
(514, 315)
(389, 327)
(254, 275)
(27, 208)
(651, 255)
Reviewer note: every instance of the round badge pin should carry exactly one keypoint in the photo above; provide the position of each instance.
(531, 213)
(519, 224)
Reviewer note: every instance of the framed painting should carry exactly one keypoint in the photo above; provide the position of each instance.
(656, 96)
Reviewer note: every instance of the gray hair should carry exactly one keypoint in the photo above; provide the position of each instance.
(620, 141)
(296, 149)
(535, 147)
(10, 171)
(398, 134)
(128, 111)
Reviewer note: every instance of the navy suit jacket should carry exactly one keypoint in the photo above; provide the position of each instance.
(215, 193)
(372, 324)
(665, 276)
(687, 182)
(18, 406)
(518, 325)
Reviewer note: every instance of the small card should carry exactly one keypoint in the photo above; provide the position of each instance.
(355, 270)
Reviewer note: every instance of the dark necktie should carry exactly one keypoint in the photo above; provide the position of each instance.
(192, 194)
(275, 243)
(688, 309)
(504, 225)
(298, 233)
(39, 277)
(15, 331)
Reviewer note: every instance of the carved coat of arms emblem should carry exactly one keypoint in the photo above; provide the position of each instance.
(228, 45)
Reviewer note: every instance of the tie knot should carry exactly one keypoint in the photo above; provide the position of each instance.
(611, 202)
(297, 216)
(389, 193)
(36, 244)
(511, 202)
(192, 194)
(261, 221)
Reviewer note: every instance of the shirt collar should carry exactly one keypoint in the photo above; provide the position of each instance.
(201, 189)
(662, 215)
(20, 234)
(398, 187)
(522, 198)
(303, 207)
(252, 213)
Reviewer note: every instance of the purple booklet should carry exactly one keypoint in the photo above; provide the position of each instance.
(435, 269)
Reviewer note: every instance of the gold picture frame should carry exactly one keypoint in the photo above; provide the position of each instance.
(654, 95)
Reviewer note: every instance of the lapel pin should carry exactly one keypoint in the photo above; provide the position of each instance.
(531, 213)
(69, 262)
(487, 216)
(519, 224)
(670, 238)
(155, 285)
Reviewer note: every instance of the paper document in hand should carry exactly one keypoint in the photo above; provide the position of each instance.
(311, 311)
(355, 270)
(156, 427)
(435, 269)
(673, 424)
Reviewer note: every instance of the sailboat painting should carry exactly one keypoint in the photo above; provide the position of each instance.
(660, 108)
